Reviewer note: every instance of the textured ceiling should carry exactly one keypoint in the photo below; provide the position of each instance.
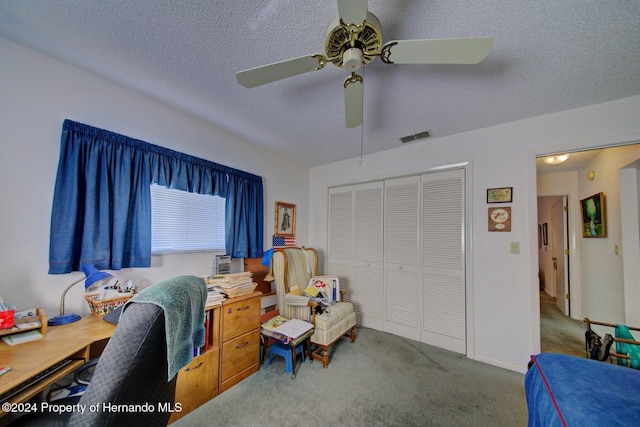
(548, 56)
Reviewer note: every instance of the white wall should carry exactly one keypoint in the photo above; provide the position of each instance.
(602, 283)
(37, 94)
(505, 286)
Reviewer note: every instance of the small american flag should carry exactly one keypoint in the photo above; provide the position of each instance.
(280, 241)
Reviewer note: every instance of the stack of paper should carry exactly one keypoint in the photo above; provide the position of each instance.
(233, 284)
(226, 281)
(285, 330)
(293, 328)
(22, 337)
(214, 296)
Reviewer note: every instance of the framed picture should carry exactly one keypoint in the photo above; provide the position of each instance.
(500, 219)
(594, 220)
(285, 219)
(539, 236)
(500, 195)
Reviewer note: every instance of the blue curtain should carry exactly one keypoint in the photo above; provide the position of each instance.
(101, 210)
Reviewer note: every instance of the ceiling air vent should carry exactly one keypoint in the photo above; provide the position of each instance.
(415, 137)
(406, 139)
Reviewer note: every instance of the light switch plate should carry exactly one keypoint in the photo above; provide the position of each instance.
(515, 247)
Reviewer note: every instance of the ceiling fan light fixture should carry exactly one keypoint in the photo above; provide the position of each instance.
(354, 39)
(556, 160)
(352, 59)
(367, 39)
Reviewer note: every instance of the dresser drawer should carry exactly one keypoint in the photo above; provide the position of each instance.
(240, 317)
(239, 354)
(197, 383)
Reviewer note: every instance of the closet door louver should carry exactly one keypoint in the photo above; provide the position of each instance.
(367, 287)
(443, 261)
(401, 254)
(341, 225)
(340, 235)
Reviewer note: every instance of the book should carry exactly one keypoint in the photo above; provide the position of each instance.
(22, 337)
(274, 322)
(311, 291)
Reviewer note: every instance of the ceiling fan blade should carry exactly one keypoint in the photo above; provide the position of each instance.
(469, 50)
(353, 93)
(279, 70)
(352, 11)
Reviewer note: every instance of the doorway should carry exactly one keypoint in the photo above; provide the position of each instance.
(553, 251)
(598, 286)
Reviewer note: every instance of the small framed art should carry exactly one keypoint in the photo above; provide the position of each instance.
(500, 219)
(500, 195)
(285, 219)
(594, 220)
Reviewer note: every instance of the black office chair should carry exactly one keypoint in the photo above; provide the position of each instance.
(131, 370)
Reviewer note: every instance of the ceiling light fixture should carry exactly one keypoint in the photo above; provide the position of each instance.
(556, 160)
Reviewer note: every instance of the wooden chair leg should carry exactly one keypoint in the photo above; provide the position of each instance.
(321, 353)
(325, 356)
(352, 334)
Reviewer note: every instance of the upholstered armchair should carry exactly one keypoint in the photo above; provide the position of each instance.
(296, 266)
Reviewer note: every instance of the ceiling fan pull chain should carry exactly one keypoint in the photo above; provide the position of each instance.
(362, 131)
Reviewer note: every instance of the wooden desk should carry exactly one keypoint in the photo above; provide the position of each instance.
(206, 376)
(80, 340)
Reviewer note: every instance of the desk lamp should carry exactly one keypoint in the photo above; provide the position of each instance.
(94, 278)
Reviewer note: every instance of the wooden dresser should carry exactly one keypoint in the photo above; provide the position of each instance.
(240, 348)
(233, 353)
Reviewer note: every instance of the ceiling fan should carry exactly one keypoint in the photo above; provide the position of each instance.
(353, 40)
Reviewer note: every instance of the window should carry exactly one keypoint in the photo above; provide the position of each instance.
(183, 221)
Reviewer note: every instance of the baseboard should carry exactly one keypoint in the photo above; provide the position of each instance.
(517, 368)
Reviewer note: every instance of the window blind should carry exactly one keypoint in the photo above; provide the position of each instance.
(183, 221)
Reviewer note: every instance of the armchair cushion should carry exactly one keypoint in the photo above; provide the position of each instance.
(331, 326)
(333, 315)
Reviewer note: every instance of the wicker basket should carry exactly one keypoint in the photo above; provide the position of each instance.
(240, 290)
(105, 306)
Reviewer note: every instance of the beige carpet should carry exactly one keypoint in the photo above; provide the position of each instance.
(380, 380)
(559, 333)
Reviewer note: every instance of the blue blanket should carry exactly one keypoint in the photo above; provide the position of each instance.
(183, 300)
(564, 390)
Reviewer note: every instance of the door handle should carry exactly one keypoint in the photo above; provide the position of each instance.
(195, 367)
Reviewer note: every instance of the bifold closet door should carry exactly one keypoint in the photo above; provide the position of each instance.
(443, 261)
(355, 248)
(367, 283)
(398, 246)
(402, 287)
(340, 237)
